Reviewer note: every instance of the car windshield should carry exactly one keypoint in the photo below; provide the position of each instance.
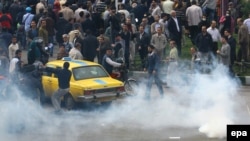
(89, 72)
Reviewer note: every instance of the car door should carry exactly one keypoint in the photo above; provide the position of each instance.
(54, 81)
(47, 79)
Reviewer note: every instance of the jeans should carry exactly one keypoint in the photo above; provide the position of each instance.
(56, 98)
(158, 83)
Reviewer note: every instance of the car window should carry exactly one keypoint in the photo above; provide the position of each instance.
(89, 72)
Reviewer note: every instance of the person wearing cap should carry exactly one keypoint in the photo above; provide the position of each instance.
(152, 67)
(108, 63)
(27, 18)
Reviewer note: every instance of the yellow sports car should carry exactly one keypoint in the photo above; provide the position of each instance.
(89, 83)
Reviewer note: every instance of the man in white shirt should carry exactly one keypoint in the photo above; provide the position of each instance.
(216, 37)
(15, 64)
(13, 47)
(167, 6)
(194, 16)
(75, 52)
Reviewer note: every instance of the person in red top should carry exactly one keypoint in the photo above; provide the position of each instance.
(6, 20)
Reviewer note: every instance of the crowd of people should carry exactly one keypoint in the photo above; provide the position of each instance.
(85, 29)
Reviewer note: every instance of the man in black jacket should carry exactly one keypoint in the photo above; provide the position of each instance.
(175, 30)
(90, 44)
(64, 76)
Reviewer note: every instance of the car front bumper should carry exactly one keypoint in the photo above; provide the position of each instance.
(100, 97)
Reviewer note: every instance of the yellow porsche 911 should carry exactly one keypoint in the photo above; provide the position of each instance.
(89, 83)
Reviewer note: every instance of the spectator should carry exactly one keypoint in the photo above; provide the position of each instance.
(62, 52)
(32, 33)
(60, 28)
(232, 43)
(142, 43)
(101, 50)
(194, 15)
(156, 24)
(203, 22)
(40, 5)
(27, 18)
(13, 47)
(68, 45)
(75, 52)
(215, 33)
(43, 33)
(224, 53)
(159, 41)
(67, 12)
(4, 63)
(175, 31)
(243, 41)
(209, 9)
(226, 22)
(247, 23)
(167, 6)
(15, 66)
(90, 44)
(204, 43)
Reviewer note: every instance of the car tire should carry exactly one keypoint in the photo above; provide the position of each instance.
(129, 87)
(69, 102)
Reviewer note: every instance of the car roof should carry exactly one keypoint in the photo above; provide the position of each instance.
(73, 63)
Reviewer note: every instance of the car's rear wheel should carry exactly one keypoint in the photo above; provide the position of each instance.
(130, 86)
(69, 102)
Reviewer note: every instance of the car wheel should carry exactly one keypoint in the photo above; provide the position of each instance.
(130, 86)
(69, 102)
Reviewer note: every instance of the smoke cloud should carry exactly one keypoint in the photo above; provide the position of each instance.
(204, 102)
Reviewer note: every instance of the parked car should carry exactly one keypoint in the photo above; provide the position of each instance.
(89, 83)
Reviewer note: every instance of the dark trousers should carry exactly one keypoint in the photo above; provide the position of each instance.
(178, 45)
(193, 30)
(143, 55)
(242, 53)
(214, 48)
(158, 83)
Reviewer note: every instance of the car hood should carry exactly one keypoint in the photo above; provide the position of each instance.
(97, 83)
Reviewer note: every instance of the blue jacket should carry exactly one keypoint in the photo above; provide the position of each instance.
(153, 62)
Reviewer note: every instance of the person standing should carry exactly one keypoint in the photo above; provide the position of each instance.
(175, 30)
(167, 6)
(243, 41)
(15, 66)
(215, 33)
(210, 9)
(194, 16)
(232, 43)
(247, 23)
(224, 53)
(90, 44)
(204, 44)
(159, 41)
(43, 33)
(152, 68)
(101, 50)
(63, 76)
(142, 42)
(75, 52)
(13, 47)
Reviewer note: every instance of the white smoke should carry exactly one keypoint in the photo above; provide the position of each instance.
(203, 102)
